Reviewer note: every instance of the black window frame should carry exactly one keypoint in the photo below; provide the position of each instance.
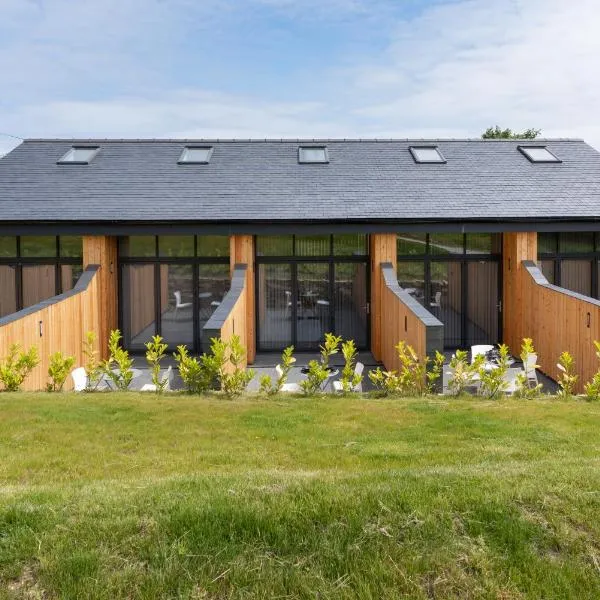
(207, 147)
(414, 154)
(61, 161)
(323, 147)
(523, 148)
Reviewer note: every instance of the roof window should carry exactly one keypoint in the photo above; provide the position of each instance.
(196, 155)
(313, 154)
(539, 154)
(427, 154)
(79, 155)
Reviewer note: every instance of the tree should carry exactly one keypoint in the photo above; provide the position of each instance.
(495, 133)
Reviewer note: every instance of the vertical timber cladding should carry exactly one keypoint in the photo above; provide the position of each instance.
(242, 252)
(516, 247)
(102, 251)
(383, 249)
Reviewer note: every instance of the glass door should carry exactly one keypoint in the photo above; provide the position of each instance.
(275, 309)
(313, 305)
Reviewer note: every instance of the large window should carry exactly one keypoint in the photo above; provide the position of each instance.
(170, 286)
(456, 277)
(571, 260)
(35, 268)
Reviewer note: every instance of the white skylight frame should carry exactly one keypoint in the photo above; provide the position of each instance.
(435, 157)
(304, 157)
(187, 155)
(79, 155)
(549, 157)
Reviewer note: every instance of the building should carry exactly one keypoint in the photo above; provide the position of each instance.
(281, 241)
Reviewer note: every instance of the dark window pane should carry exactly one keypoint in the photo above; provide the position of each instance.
(411, 243)
(312, 304)
(547, 268)
(446, 243)
(8, 246)
(275, 306)
(71, 246)
(480, 243)
(576, 275)
(350, 302)
(274, 245)
(411, 277)
(579, 242)
(69, 275)
(39, 245)
(8, 299)
(482, 302)
(547, 243)
(177, 303)
(352, 244)
(39, 283)
(139, 323)
(138, 246)
(213, 245)
(313, 245)
(176, 245)
(445, 300)
(213, 285)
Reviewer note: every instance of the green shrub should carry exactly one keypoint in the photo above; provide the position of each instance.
(349, 378)
(463, 374)
(493, 380)
(385, 382)
(58, 370)
(287, 362)
(118, 366)
(318, 370)
(592, 388)
(93, 366)
(228, 363)
(194, 374)
(15, 368)
(523, 387)
(155, 352)
(567, 378)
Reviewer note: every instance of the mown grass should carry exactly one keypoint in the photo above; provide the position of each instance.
(133, 496)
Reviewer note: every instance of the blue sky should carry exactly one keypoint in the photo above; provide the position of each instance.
(290, 68)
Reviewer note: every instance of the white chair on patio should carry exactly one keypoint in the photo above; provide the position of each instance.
(166, 379)
(292, 388)
(437, 302)
(358, 370)
(530, 370)
(510, 380)
(178, 303)
(480, 349)
(79, 377)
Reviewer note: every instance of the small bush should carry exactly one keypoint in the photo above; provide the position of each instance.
(524, 389)
(463, 373)
(155, 352)
(15, 368)
(349, 378)
(93, 366)
(193, 372)
(287, 362)
(592, 388)
(234, 381)
(567, 378)
(318, 370)
(385, 382)
(118, 366)
(58, 370)
(493, 380)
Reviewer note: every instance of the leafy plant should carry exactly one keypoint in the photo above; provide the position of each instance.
(493, 380)
(194, 374)
(386, 382)
(592, 388)
(349, 378)
(434, 372)
(118, 366)
(318, 370)
(155, 352)
(523, 386)
(15, 368)
(58, 370)
(234, 380)
(463, 374)
(567, 378)
(93, 366)
(287, 362)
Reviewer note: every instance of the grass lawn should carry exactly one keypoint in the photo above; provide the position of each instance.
(133, 496)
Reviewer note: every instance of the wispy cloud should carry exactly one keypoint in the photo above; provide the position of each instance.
(277, 68)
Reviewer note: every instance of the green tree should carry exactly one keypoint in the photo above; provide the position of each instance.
(495, 133)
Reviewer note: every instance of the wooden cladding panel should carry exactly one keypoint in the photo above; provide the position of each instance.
(382, 250)
(62, 327)
(102, 251)
(242, 252)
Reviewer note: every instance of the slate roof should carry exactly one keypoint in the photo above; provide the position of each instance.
(251, 180)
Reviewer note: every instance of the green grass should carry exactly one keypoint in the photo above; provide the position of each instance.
(131, 496)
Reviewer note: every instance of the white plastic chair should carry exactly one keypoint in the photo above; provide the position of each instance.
(437, 303)
(178, 303)
(166, 379)
(292, 388)
(480, 349)
(530, 370)
(358, 370)
(79, 377)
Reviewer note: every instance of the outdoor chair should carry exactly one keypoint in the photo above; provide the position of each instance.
(480, 349)
(530, 370)
(166, 379)
(437, 302)
(292, 388)
(178, 303)
(511, 380)
(79, 377)
(358, 370)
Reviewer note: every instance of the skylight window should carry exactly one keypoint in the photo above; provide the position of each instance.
(313, 154)
(427, 154)
(79, 155)
(539, 154)
(196, 155)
